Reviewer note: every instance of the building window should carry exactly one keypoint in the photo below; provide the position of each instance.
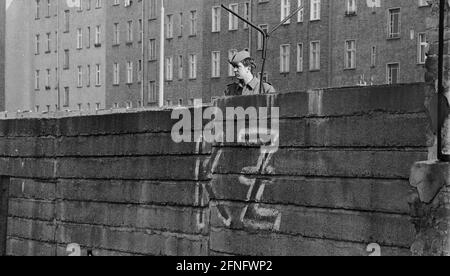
(285, 54)
(97, 36)
(88, 37)
(300, 57)
(66, 59)
(139, 77)
(129, 72)
(38, 9)
(152, 49)
(169, 26)
(422, 46)
(169, 68)
(88, 76)
(98, 75)
(66, 21)
(301, 12)
(350, 54)
(373, 56)
(314, 56)
(215, 64)
(130, 31)
(285, 10)
(394, 23)
(193, 23)
(152, 92)
(56, 41)
(153, 9)
(141, 30)
(192, 67)
(66, 95)
(80, 77)
(47, 80)
(315, 10)
(350, 7)
(36, 80)
(233, 20)
(37, 44)
(216, 19)
(116, 72)
(49, 42)
(180, 67)
(259, 45)
(116, 34)
(393, 72)
(79, 38)
(246, 13)
(56, 79)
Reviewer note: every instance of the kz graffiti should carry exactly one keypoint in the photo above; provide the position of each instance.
(253, 215)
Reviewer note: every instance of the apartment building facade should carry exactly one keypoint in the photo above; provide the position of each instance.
(328, 43)
(19, 61)
(97, 54)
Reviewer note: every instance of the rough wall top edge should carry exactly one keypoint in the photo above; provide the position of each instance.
(407, 98)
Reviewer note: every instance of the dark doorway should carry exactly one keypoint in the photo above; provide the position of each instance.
(4, 195)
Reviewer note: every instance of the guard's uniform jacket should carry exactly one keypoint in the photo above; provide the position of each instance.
(252, 88)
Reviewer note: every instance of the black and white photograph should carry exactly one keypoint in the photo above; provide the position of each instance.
(224, 133)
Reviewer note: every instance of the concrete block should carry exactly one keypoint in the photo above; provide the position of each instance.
(432, 208)
(24, 247)
(27, 147)
(32, 209)
(32, 189)
(368, 130)
(31, 229)
(163, 218)
(335, 101)
(376, 130)
(349, 226)
(130, 168)
(270, 244)
(337, 163)
(131, 192)
(151, 121)
(28, 167)
(429, 177)
(124, 145)
(132, 241)
(378, 195)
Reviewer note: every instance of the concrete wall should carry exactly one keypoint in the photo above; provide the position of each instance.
(118, 185)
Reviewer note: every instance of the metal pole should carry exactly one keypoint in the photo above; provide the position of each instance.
(58, 74)
(440, 155)
(143, 82)
(161, 58)
(250, 33)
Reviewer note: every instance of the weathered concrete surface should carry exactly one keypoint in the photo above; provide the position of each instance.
(432, 207)
(118, 185)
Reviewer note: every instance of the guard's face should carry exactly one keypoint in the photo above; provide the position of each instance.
(240, 71)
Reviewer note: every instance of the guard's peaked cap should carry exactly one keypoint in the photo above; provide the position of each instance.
(239, 57)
